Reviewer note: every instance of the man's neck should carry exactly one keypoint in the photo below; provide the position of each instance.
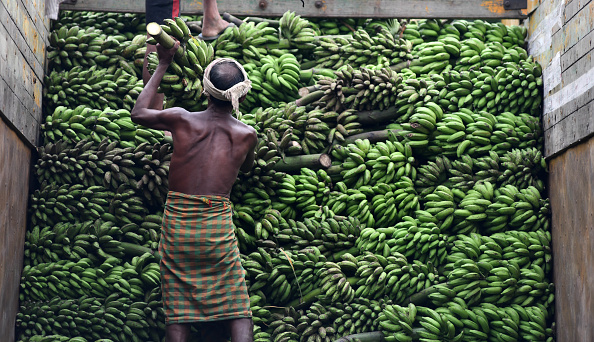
(220, 110)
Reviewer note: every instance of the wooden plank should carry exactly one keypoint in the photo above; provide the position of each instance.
(15, 112)
(571, 191)
(578, 26)
(15, 158)
(29, 42)
(14, 14)
(571, 128)
(573, 7)
(579, 67)
(470, 9)
(578, 52)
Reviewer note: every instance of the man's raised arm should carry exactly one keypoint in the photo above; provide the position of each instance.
(142, 113)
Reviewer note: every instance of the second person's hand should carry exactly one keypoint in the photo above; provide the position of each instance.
(166, 55)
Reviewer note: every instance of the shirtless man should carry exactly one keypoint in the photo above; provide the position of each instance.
(202, 277)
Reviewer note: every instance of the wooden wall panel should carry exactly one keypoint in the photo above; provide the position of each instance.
(15, 161)
(561, 35)
(23, 40)
(571, 187)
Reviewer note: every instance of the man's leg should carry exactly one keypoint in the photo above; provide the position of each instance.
(212, 23)
(242, 330)
(177, 333)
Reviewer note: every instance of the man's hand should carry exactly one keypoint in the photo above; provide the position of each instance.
(166, 55)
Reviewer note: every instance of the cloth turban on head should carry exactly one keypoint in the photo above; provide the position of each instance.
(232, 94)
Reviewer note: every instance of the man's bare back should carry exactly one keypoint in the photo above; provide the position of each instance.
(210, 149)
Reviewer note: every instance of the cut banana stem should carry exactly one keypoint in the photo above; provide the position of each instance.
(373, 117)
(271, 22)
(311, 161)
(374, 336)
(309, 98)
(230, 18)
(306, 90)
(155, 31)
(136, 250)
(422, 297)
(373, 136)
(402, 65)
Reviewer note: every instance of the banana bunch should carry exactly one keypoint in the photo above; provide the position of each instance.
(269, 225)
(116, 318)
(381, 49)
(467, 279)
(249, 42)
(329, 26)
(522, 210)
(359, 316)
(298, 31)
(422, 241)
(317, 323)
(98, 240)
(92, 87)
(361, 89)
(470, 213)
(522, 168)
(414, 92)
(432, 174)
(521, 82)
(325, 235)
(334, 285)
(59, 338)
(283, 326)
(370, 272)
(75, 47)
(473, 322)
(68, 203)
(280, 79)
(464, 132)
(110, 22)
(260, 314)
(422, 124)
(69, 280)
(390, 161)
(411, 33)
(273, 273)
(440, 205)
(311, 192)
(396, 322)
(433, 57)
(376, 240)
(534, 323)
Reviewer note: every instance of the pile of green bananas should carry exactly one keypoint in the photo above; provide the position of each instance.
(72, 279)
(96, 88)
(382, 48)
(116, 318)
(433, 225)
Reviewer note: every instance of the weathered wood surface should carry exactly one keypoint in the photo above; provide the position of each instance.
(23, 39)
(571, 190)
(472, 9)
(561, 37)
(15, 159)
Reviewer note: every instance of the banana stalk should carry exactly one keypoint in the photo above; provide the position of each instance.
(311, 161)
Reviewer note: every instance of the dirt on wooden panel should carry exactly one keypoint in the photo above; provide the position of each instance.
(571, 187)
(15, 161)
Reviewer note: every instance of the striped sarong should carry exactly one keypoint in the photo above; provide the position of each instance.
(201, 274)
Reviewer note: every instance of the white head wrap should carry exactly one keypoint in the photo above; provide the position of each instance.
(232, 94)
